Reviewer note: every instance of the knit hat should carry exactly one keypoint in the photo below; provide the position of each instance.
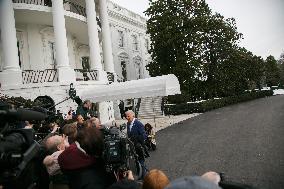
(193, 182)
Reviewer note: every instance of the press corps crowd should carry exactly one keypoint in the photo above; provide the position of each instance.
(73, 157)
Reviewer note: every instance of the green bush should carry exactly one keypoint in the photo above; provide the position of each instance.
(211, 104)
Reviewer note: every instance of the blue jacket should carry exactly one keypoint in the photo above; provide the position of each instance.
(137, 131)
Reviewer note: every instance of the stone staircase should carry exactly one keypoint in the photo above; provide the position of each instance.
(160, 123)
(150, 107)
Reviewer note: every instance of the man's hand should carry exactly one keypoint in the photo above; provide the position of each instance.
(55, 128)
(128, 175)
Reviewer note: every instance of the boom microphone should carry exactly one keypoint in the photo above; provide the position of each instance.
(22, 114)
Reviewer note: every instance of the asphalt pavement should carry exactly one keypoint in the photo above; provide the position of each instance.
(245, 141)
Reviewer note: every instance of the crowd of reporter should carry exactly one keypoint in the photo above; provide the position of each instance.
(72, 157)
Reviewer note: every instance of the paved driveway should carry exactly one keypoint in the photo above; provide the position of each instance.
(245, 141)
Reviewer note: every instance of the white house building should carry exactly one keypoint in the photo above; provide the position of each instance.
(47, 44)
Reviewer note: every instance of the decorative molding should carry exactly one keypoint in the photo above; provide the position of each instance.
(126, 19)
(123, 54)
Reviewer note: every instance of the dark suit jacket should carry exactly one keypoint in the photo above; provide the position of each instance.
(137, 131)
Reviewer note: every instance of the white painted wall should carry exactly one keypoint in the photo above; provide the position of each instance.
(36, 53)
(35, 47)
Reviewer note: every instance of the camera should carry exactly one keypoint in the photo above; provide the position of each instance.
(119, 153)
(18, 149)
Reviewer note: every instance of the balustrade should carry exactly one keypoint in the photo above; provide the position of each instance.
(39, 76)
(86, 75)
(68, 5)
(35, 2)
(75, 8)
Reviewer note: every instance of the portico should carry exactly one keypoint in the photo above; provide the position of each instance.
(65, 72)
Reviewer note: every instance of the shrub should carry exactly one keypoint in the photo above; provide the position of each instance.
(204, 106)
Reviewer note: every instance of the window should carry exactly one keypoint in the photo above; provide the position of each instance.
(20, 47)
(85, 63)
(137, 65)
(135, 42)
(52, 53)
(120, 39)
(123, 70)
(19, 54)
(123, 59)
(147, 44)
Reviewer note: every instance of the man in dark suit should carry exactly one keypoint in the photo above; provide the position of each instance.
(136, 132)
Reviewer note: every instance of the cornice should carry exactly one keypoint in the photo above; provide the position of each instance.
(127, 19)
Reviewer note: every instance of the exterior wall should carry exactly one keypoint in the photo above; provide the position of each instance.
(36, 54)
(72, 51)
(131, 24)
(35, 47)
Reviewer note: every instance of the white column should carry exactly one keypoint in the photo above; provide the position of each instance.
(94, 44)
(12, 74)
(65, 73)
(106, 35)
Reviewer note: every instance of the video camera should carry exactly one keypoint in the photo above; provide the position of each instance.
(119, 153)
(18, 149)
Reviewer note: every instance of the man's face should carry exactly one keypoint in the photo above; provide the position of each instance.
(80, 119)
(89, 105)
(129, 117)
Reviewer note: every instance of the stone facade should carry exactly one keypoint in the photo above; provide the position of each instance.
(55, 44)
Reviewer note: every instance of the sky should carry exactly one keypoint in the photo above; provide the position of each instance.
(260, 21)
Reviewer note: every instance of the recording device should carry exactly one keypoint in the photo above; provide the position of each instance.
(18, 149)
(119, 153)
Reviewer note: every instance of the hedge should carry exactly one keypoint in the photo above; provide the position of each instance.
(204, 106)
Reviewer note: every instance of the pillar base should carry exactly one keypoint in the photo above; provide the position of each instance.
(66, 74)
(10, 78)
(102, 75)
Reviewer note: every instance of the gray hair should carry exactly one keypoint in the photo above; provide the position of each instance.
(86, 102)
(52, 143)
(129, 112)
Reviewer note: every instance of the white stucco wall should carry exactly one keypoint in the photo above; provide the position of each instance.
(36, 55)
(35, 47)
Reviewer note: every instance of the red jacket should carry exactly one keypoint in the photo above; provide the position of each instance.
(73, 158)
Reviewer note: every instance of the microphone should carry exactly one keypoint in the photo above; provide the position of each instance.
(22, 114)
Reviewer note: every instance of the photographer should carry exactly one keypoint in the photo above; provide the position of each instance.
(81, 162)
(84, 109)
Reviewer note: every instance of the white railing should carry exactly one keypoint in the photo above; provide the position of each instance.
(39, 76)
(75, 8)
(35, 2)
